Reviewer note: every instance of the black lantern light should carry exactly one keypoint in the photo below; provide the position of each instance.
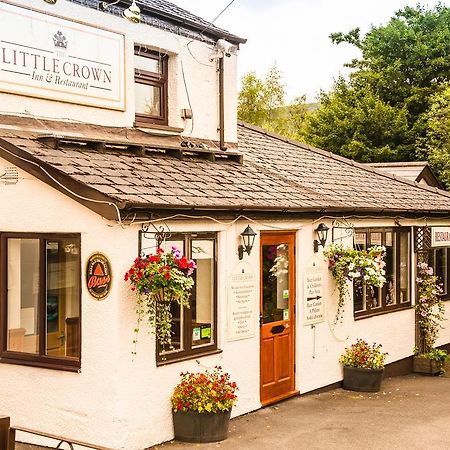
(248, 237)
(322, 234)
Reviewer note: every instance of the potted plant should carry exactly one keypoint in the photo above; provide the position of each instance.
(348, 264)
(201, 406)
(430, 313)
(158, 280)
(363, 366)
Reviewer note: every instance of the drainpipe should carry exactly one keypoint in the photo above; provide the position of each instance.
(221, 106)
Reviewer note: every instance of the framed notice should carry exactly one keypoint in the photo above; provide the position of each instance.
(314, 310)
(53, 58)
(242, 300)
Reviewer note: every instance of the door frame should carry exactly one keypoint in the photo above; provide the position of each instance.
(291, 237)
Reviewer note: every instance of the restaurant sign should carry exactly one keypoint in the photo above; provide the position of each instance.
(440, 236)
(48, 57)
(98, 276)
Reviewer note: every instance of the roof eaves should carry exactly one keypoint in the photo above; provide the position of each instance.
(106, 206)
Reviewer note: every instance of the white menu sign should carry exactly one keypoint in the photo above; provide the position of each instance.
(314, 311)
(242, 299)
(48, 57)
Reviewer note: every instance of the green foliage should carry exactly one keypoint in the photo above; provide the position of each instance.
(379, 113)
(363, 355)
(356, 123)
(436, 145)
(261, 102)
(435, 354)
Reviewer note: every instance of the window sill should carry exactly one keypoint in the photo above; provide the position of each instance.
(42, 364)
(360, 316)
(187, 357)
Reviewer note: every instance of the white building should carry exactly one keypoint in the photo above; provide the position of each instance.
(112, 135)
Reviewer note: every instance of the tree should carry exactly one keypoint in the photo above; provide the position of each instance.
(258, 99)
(262, 102)
(403, 64)
(436, 145)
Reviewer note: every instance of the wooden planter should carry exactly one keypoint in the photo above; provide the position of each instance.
(192, 426)
(427, 366)
(362, 380)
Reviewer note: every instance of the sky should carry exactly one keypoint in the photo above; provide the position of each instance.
(294, 35)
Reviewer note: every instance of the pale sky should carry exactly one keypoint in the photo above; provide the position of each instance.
(294, 34)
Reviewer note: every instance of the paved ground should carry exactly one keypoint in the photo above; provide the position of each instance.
(411, 412)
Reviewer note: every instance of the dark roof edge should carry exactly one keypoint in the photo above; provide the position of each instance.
(106, 206)
(211, 31)
(350, 162)
(216, 32)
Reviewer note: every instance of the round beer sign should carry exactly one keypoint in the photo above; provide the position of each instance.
(98, 276)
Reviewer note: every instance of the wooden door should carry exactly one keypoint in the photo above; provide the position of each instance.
(277, 319)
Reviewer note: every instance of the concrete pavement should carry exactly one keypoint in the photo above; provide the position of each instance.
(411, 412)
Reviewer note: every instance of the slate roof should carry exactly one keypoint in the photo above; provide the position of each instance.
(277, 175)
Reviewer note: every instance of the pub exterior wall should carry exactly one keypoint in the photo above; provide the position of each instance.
(200, 73)
(123, 402)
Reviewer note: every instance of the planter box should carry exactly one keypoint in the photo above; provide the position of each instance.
(426, 365)
(362, 380)
(193, 426)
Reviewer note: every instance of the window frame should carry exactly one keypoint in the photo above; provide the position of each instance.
(432, 262)
(385, 309)
(159, 80)
(41, 359)
(190, 352)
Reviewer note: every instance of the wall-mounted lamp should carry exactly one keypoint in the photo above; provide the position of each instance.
(322, 234)
(248, 237)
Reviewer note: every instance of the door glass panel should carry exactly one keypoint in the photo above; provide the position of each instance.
(23, 295)
(62, 298)
(390, 270)
(275, 266)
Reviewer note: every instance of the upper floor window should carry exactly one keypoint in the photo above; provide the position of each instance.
(194, 329)
(40, 300)
(396, 292)
(150, 87)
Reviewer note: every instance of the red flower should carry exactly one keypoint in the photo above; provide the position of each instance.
(159, 251)
(183, 263)
(167, 276)
(154, 258)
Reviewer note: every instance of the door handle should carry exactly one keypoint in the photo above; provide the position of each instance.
(277, 329)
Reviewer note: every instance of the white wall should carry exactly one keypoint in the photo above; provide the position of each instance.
(200, 73)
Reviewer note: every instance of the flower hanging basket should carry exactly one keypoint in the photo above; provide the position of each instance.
(348, 264)
(158, 281)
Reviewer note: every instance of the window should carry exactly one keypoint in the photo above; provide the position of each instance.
(396, 292)
(194, 328)
(439, 260)
(40, 300)
(150, 87)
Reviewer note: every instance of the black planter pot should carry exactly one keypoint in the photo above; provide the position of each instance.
(192, 426)
(362, 380)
